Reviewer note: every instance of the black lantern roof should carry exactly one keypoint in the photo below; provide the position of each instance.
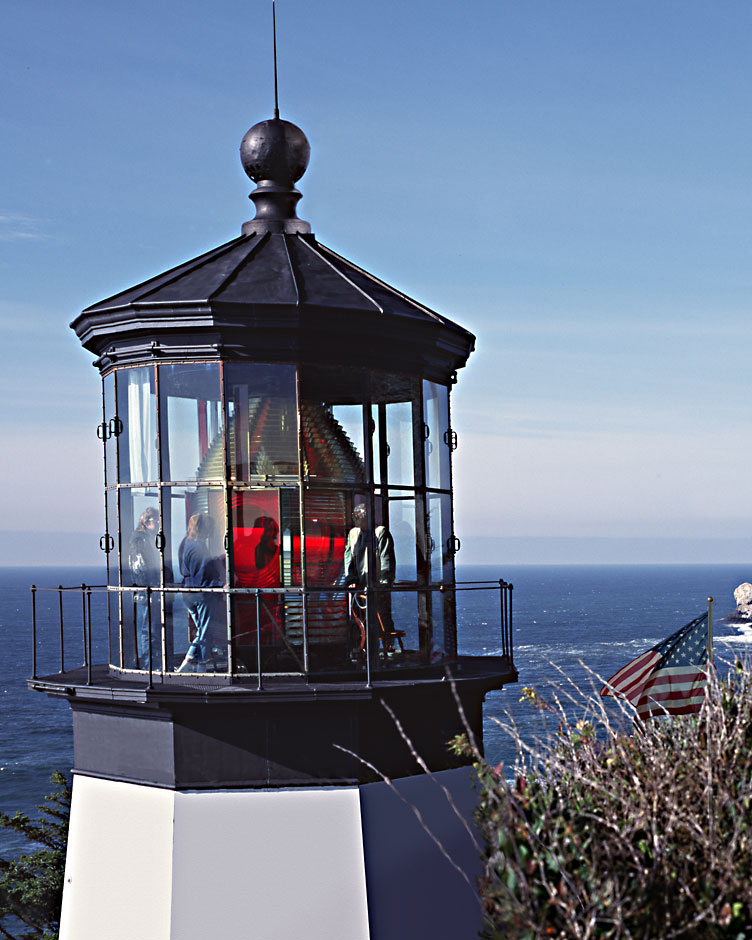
(275, 293)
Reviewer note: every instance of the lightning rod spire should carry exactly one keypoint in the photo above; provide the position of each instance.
(274, 34)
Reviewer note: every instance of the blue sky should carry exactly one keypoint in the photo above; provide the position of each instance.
(568, 180)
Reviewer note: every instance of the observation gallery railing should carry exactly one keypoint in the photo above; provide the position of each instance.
(74, 632)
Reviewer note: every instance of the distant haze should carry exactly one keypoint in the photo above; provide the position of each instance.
(44, 549)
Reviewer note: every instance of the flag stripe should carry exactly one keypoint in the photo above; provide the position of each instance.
(664, 695)
(687, 709)
(625, 673)
(697, 696)
(673, 680)
(632, 674)
(633, 688)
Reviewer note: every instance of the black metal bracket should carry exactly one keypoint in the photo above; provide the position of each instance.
(107, 543)
(450, 439)
(116, 427)
(453, 545)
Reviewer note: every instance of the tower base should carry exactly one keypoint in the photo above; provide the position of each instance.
(325, 863)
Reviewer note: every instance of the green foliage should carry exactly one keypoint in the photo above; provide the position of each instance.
(604, 833)
(31, 886)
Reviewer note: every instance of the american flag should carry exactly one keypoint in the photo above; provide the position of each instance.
(670, 678)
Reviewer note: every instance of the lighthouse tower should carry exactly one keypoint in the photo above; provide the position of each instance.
(264, 754)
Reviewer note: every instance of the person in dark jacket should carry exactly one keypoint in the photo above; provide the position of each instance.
(356, 569)
(199, 569)
(144, 565)
(356, 559)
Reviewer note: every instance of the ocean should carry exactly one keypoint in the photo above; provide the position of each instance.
(564, 616)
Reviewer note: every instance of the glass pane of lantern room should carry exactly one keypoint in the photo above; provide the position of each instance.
(399, 437)
(194, 527)
(190, 422)
(139, 525)
(333, 443)
(331, 414)
(402, 528)
(110, 435)
(439, 508)
(114, 623)
(265, 525)
(349, 418)
(437, 444)
(441, 605)
(110, 475)
(113, 556)
(137, 425)
(256, 538)
(326, 515)
(141, 568)
(262, 425)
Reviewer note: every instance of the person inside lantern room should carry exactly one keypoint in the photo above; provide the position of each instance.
(356, 568)
(199, 569)
(144, 564)
(267, 548)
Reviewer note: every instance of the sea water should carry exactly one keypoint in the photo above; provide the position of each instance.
(570, 621)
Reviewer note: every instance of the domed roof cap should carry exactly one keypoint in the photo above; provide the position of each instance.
(275, 154)
(275, 150)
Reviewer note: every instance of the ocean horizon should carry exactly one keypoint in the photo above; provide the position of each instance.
(44, 549)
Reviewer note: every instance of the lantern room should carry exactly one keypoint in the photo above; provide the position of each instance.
(277, 443)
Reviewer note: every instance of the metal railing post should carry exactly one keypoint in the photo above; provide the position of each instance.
(258, 639)
(306, 663)
(163, 631)
(88, 641)
(368, 637)
(83, 617)
(511, 648)
(110, 657)
(33, 631)
(230, 617)
(139, 664)
(62, 634)
(121, 623)
(151, 663)
(503, 617)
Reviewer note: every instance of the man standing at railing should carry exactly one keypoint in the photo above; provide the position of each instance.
(144, 564)
(356, 571)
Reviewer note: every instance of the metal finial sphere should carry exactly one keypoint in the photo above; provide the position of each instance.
(275, 150)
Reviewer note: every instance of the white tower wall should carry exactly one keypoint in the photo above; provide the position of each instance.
(324, 863)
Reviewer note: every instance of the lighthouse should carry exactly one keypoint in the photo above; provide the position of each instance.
(263, 752)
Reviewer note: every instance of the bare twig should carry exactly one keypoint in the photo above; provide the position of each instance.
(418, 815)
(424, 766)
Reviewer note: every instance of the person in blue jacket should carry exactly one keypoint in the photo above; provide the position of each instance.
(200, 569)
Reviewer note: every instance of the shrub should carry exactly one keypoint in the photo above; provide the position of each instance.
(31, 886)
(609, 833)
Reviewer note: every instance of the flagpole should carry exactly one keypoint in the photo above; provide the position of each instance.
(707, 719)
